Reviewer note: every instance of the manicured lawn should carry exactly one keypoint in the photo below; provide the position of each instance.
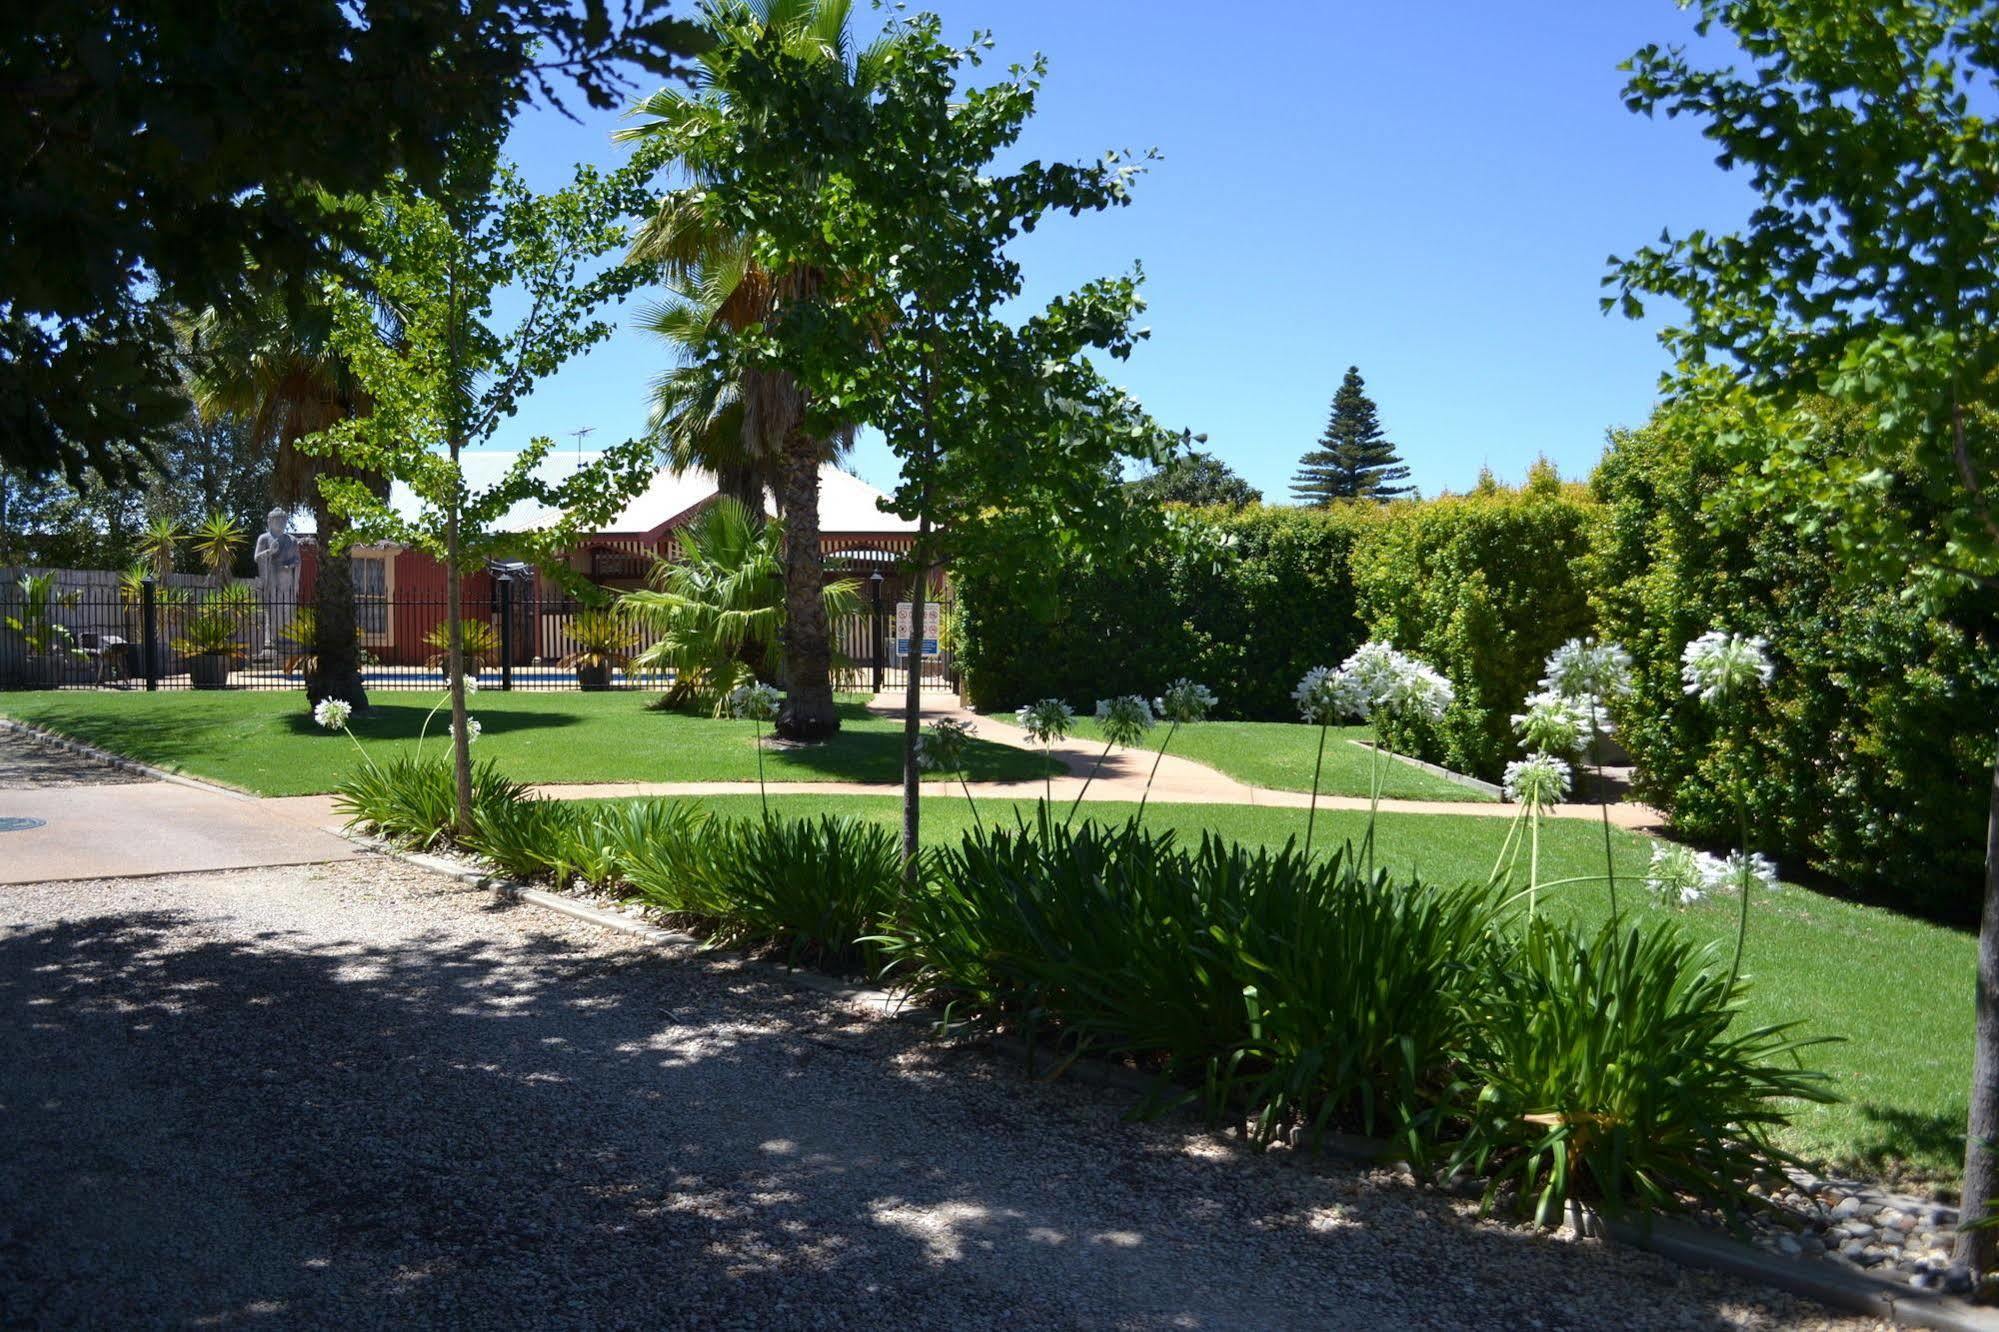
(267, 742)
(1279, 755)
(1895, 991)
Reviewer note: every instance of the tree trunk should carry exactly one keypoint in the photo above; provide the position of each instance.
(912, 717)
(461, 741)
(1981, 1160)
(336, 671)
(808, 712)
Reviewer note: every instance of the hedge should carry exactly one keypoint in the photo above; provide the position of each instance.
(1868, 757)
(1247, 600)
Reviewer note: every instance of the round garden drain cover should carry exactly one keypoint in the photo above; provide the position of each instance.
(12, 823)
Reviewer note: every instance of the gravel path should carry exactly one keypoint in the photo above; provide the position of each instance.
(362, 1095)
(28, 763)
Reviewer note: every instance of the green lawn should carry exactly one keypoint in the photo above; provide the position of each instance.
(267, 742)
(1896, 991)
(1279, 755)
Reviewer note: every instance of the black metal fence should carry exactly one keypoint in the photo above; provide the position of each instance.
(190, 634)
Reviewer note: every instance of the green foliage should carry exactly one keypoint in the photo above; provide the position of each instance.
(1867, 754)
(1199, 479)
(36, 600)
(604, 639)
(1483, 587)
(820, 888)
(479, 640)
(1615, 1066)
(218, 625)
(215, 542)
(1354, 459)
(409, 799)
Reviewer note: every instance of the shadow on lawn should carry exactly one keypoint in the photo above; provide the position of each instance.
(508, 1127)
(1896, 1138)
(405, 721)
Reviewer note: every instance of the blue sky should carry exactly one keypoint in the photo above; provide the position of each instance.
(1425, 190)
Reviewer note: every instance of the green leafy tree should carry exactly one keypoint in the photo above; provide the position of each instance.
(151, 145)
(1354, 460)
(1867, 272)
(1194, 478)
(747, 417)
(447, 377)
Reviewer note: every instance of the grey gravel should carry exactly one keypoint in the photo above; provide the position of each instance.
(28, 762)
(364, 1096)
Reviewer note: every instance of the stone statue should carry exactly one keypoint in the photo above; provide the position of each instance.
(277, 557)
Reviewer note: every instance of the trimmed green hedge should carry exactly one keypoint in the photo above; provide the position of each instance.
(1247, 600)
(1869, 755)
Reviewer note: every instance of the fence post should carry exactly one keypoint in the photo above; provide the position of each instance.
(149, 617)
(880, 644)
(506, 633)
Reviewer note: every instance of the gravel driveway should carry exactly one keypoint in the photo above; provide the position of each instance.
(362, 1095)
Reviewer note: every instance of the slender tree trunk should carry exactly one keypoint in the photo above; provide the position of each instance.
(1981, 1137)
(912, 708)
(336, 671)
(461, 741)
(808, 712)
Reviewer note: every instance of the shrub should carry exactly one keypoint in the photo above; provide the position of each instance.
(529, 837)
(1288, 992)
(823, 888)
(1869, 754)
(411, 799)
(1615, 1066)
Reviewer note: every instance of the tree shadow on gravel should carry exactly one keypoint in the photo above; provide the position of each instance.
(489, 1131)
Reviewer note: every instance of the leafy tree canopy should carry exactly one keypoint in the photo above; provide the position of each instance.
(156, 150)
(1194, 478)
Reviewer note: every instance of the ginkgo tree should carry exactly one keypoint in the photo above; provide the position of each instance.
(445, 375)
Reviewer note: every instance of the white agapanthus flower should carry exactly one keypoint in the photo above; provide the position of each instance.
(1370, 677)
(1678, 875)
(1124, 720)
(1379, 678)
(1720, 665)
(470, 682)
(1584, 667)
(1184, 701)
(941, 748)
(1322, 696)
(1723, 874)
(1419, 691)
(1046, 721)
(1538, 781)
(332, 713)
(755, 701)
(1552, 724)
(471, 730)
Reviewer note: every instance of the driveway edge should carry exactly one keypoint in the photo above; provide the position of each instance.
(119, 761)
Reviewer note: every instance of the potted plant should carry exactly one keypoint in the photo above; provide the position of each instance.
(212, 638)
(482, 646)
(604, 641)
(47, 645)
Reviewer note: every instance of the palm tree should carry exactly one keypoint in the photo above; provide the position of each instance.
(271, 364)
(718, 608)
(748, 421)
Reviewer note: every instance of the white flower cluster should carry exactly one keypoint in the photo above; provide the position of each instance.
(942, 747)
(471, 730)
(1046, 721)
(1683, 876)
(1376, 678)
(1538, 781)
(1719, 666)
(1552, 724)
(1584, 668)
(1124, 720)
(470, 683)
(332, 713)
(755, 701)
(1184, 701)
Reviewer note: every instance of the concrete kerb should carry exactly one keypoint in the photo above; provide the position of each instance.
(1678, 1241)
(1492, 789)
(56, 740)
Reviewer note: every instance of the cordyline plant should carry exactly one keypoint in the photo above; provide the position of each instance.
(446, 378)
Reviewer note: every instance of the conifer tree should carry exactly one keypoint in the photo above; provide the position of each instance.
(1354, 459)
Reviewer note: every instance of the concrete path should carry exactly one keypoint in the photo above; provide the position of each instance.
(364, 1096)
(100, 822)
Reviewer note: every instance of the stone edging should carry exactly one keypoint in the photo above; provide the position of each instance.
(60, 741)
(1438, 770)
(1668, 1237)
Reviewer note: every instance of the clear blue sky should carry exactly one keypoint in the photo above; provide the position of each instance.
(1427, 191)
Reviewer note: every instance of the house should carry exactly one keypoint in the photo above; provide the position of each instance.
(400, 592)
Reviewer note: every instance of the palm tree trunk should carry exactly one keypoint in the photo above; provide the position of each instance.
(336, 671)
(808, 712)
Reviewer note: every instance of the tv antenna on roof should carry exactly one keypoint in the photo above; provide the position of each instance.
(579, 443)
